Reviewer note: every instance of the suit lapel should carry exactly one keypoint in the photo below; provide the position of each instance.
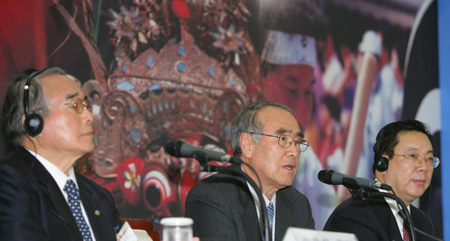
(94, 215)
(386, 219)
(284, 211)
(423, 222)
(249, 216)
(250, 220)
(51, 189)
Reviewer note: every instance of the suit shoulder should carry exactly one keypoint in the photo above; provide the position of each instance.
(293, 193)
(417, 211)
(354, 204)
(357, 207)
(14, 160)
(83, 180)
(221, 188)
(13, 166)
(219, 183)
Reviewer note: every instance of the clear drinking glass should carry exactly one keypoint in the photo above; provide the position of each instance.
(177, 229)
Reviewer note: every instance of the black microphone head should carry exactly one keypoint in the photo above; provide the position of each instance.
(172, 147)
(325, 176)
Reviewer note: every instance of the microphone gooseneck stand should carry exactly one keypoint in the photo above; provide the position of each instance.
(264, 218)
(427, 235)
(362, 194)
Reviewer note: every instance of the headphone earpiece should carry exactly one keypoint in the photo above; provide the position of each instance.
(382, 164)
(34, 123)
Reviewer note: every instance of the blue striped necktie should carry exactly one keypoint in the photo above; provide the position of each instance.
(74, 203)
(270, 214)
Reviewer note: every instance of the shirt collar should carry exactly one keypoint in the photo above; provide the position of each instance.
(391, 202)
(255, 196)
(59, 176)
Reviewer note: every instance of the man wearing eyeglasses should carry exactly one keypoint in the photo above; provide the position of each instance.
(405, 161)
(267, 137)
(48, 118)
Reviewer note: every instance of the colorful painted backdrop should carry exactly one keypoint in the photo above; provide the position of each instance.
(181, 69)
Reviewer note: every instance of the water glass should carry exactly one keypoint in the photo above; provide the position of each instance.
(177, 229)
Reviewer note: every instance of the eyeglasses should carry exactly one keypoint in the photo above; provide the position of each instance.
(286, 141)
(417, 158)
(78, 105)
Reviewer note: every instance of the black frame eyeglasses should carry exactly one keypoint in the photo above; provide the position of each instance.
(78, 105)
(286, 141)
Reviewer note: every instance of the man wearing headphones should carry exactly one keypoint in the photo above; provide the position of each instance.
(403, 160)
(47, 116)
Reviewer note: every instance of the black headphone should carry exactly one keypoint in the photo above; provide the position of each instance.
(382, 164)
(33, 121)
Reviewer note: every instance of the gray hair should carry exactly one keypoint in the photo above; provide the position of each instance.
(247, 121)
(13, 102)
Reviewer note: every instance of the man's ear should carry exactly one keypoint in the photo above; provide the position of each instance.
(247, 144)
(22, 119)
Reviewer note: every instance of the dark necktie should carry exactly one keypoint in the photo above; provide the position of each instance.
(406, 229)
(270, 214)
(74, 203)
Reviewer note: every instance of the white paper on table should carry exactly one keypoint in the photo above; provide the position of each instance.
(301, 234)
(142, 235)
(126, 233)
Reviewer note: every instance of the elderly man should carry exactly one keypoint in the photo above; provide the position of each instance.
(49, 119)
(290, 32)
(404, 160)
(266, 136)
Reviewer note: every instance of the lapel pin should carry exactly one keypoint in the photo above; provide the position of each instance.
(97, 212)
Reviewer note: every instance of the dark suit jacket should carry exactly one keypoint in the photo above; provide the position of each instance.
(372, 219)
(32, 206)
(223, 208)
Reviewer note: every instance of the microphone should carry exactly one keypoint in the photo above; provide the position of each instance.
(183, 149)
(337, 178)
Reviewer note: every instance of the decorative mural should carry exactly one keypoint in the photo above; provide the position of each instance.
(166, 84)
(158, 70)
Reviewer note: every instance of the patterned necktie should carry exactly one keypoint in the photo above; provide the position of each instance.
(270, 214)
(74, 203)
(406, 229)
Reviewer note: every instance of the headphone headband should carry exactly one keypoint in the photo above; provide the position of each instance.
(33, 121)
